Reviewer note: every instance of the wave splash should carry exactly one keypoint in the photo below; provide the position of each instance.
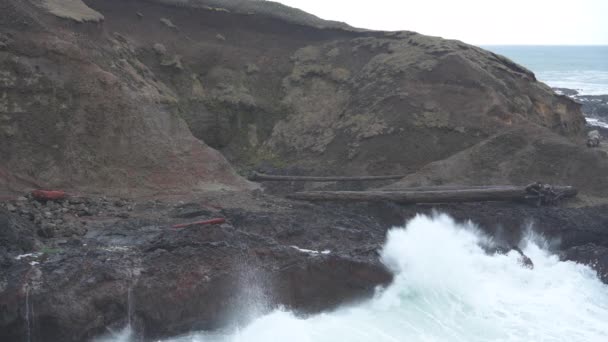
(447, 288)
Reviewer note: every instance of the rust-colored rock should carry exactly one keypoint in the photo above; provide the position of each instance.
(49, 195)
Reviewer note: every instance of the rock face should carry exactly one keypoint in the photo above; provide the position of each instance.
(270, 252)
(594, 106)
(126, 269)
(101, 105)
(338, 100)
(590, 254)
(87, 114)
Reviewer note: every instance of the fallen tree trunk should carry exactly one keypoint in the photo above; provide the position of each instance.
(255, 176)
(477, 194)
(442, 187)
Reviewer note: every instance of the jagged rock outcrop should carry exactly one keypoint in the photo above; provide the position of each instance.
(169, 281)
(270, 252)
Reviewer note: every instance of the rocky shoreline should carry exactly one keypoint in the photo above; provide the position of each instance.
(149, 113)
(594, 107)
(127, 262)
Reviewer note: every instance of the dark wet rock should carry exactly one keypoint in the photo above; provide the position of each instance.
(189, 210)
(203, 277)
(46, 230)
(195, 274)
(563, 227)
(75, 200)
(16, 233)
(594, 106)
(592, 255)
(123, 215)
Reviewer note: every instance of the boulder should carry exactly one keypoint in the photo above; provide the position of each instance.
(593, 138)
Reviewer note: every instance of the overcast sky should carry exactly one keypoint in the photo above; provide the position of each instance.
(480, 22)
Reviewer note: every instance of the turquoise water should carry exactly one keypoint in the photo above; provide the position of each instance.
(584, 68)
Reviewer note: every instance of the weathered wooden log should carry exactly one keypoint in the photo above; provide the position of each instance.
(201, 223)
(442, 187)
(501, 193)
(255, 176)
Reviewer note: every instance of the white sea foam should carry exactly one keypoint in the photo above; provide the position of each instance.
(124, 335)
(586, 82)
(446, 288)
(597, 123)
(28, 255)
(310, 251)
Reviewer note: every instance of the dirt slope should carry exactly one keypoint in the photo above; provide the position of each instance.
(135, 98)
(521, 156)
(269, 91)
(79, 110)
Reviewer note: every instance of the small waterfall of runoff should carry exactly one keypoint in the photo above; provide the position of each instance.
(28, 319)
(129, 306)
(29, 313)
(127, 333)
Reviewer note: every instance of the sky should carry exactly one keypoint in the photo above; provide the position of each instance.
(479, 22)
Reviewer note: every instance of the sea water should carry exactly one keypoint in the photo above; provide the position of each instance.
(447, 288)
(582, 68)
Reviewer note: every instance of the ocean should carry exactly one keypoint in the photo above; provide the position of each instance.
(582, 68)
(460, 294)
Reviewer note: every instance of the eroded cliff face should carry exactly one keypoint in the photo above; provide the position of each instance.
(143, 97)
(79, 110)
(112, 94)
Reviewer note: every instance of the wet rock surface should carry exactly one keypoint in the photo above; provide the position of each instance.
(79, 283)
(307, 257)
(594, 255)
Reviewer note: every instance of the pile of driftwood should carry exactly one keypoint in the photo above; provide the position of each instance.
(537, 193)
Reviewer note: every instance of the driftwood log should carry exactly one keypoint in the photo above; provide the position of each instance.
(539, 193)
(255, 176)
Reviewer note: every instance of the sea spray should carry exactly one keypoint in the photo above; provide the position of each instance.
(252, 295)
(448, 288)
(126, 334)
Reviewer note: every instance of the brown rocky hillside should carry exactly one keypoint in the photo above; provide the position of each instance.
(144, 96)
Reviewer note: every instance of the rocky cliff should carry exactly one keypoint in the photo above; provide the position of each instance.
(79, 110)
(141, 95)
(175, 98)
